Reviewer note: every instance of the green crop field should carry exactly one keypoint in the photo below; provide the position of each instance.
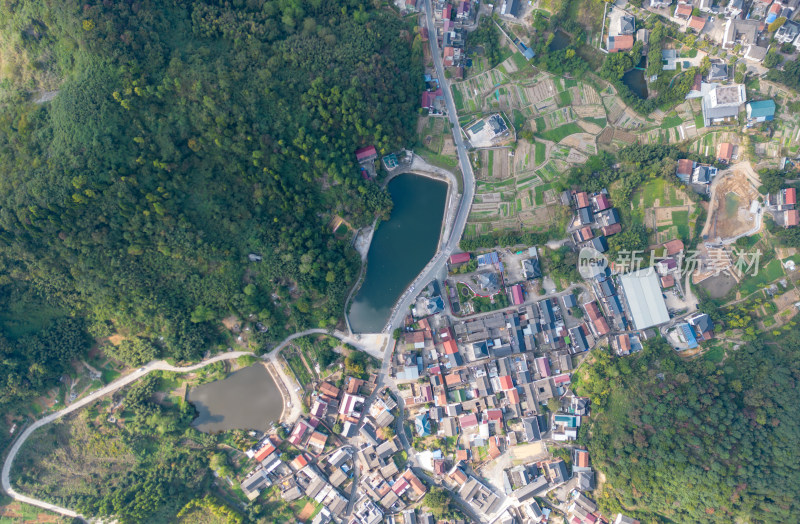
(458, 98)
(570, 82)
(671, 121)
(491, 162)
(540, 125)
(561, 132)
(698, 120)
(539, 196)
(539, 155)
(565, 98)
(597, 121)
(681, 220)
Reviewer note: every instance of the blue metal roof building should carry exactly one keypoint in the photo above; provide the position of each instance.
(688, 332)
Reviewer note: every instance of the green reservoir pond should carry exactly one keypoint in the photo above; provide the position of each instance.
(400, 248)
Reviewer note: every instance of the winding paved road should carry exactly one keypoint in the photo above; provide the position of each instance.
(437, 264)
(434, 267)
(158, 365)
(117, 384)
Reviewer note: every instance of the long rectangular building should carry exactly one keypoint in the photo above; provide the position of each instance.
(645, 301)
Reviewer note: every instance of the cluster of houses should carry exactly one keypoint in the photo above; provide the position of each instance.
(480, 382)
(595, 219)
(742, 28)
(450, 19)
(324, 465)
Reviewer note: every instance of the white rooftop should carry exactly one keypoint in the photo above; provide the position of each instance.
(645, 300)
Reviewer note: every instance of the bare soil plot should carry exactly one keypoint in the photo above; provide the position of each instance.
(589, 111)
(581, 141)
(590, 127)
(730, 214)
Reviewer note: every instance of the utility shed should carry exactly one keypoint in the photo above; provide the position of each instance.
(645, 301)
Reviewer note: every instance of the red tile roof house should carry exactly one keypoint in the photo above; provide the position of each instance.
(468, 421)
(583, 458)
(264, 452)
(449, 56)
(685, 167)
(790, 196)
(366, 153)
(725, 152)
(516, 295)
(674, 247)
(683, 10)
(317, 441)
(459, 258)
(582, 199)
(601, 202)
(697, 23)
(613, 229)
(620, 43)
(506, 383)
(494, 415)
(792, 217)
(450, 347)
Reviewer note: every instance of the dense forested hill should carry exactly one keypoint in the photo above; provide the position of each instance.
(693, 442)
(185, 135)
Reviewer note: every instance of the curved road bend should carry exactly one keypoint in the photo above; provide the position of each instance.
(438, 262)
(157, 365)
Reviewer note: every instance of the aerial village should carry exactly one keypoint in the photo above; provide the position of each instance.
(479, 399)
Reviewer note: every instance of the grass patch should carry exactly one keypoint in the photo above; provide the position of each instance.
(766, 274)
(653, 190)
(570, 82)
(520, 61)
(561, 132)
(671, 121)
(698, 121)
(681, 220)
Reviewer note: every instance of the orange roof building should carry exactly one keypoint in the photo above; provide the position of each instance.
(329, 389)
(582, 458)
(697, 23)
(450, 347)
(265, 451)
(620, 43)
(684, 10)
(674, 247)
(725, 152)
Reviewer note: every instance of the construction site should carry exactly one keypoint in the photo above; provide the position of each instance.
(735, 210)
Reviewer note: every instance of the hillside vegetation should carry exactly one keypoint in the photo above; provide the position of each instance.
(686, 441)
(184, 136)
